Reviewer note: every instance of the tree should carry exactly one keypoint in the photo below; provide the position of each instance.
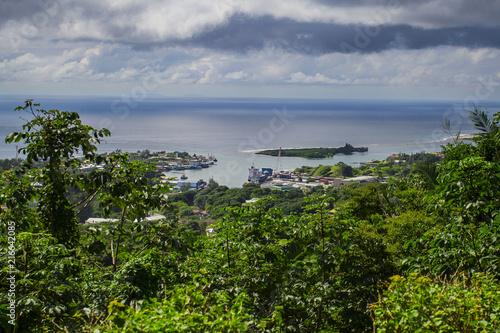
(56, 137)
(128, 190)
(419, 304)
(346, 170)
(488, 140)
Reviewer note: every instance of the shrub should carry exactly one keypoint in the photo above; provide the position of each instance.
(189, 309)
(420, 304)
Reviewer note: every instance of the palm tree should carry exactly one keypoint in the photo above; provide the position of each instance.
(482, 120)
(488, 141)
(429, 171)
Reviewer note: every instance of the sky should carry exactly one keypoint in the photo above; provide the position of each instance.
(361, 49)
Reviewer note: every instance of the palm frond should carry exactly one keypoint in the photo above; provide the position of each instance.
(446, 126)
(481, 120)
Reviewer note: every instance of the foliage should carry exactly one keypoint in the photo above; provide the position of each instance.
(46, 288)
(420, 304)
(55, 137)
(487, 142)
(8, 164)
(129, 190)
(468, 188)
(410, 193)
(311, 272)
(399, 231)
(457, 246)
(17, 195)
(312, 152)
(187, 309)
(366, 202)
(346, 170)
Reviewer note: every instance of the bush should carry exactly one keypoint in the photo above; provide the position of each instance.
(419, 304)
(189, 309)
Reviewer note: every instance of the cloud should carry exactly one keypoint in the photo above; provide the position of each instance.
(240, 75)
(243, 33)
(300, 77)
(187, 66)
(238, 43)
(243, 25)
(431, 14)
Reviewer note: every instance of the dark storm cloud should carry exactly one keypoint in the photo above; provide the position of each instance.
(435, 13)
(247, 31)
(17, 9)
(243, 33)
(350, 3)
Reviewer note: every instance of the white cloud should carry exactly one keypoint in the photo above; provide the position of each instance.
(300, 77)
(240, 75)
(417, 68)
(121, 42)
(160, 20)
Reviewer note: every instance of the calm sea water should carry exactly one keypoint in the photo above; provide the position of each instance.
(233, 129)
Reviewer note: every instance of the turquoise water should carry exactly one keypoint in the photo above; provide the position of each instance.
(233, 129)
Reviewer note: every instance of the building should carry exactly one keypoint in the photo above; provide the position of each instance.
(195, 164)
(155, 217)
(100, 220)
(361, 179)
(202, 213)
(251, 201)
(281, 187)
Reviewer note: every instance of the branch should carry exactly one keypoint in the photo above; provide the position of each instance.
(88, 199)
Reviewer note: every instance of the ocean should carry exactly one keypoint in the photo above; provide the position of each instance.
(234, 129)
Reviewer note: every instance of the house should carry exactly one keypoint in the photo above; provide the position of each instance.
(155, 217)
(281, 187)
(361, 179)
(100, 220)
(195, 164)
(200, 212)
(251, 201)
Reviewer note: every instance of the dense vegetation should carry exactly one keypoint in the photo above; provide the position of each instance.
(419, 252)
(402, 166)
(312, 152)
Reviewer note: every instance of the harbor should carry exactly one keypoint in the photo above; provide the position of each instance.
(287, 179)
(167, 162)
(232, 168)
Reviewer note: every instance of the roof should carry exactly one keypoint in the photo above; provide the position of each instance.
(99, 220)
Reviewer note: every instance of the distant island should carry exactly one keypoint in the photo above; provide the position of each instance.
(313, 152)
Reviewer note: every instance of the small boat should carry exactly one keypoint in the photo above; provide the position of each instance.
(184, 176)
